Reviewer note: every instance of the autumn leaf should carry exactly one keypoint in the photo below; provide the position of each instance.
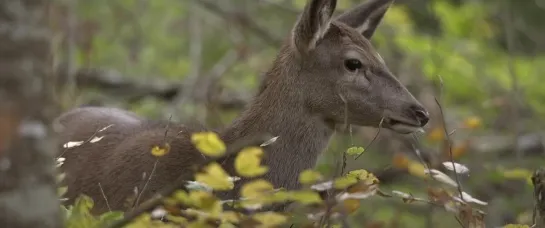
(344, 182)
(416, 169)
(247, 162)
(256, 193)
(181, 196)
(206, 201)
(309, 176)
(256, 189)
(215, 177)
(363, 175)
(306, 197)
(281, 196)
(158, 151)
(270, 219)
(208, 143)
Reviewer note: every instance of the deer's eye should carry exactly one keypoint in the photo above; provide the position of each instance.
(352, 64)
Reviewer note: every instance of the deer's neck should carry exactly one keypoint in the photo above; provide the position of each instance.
(302, 136)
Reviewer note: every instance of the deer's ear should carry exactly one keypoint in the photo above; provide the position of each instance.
(366, 17)
(313, 24)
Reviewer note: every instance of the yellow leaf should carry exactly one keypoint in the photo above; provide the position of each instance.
(176, 219)
(248, 162)
(437, 134)
(306, 197)
(270, 219)
(256, 189)
(362, 174)
(417, 169)
(181, 196)
(309, 176)
(344, 182)
(158, 151)
(206, 202)
(208, 143)
(518, 173)
(230, 216)
(215, 177)
(281, 196)
(472, 122)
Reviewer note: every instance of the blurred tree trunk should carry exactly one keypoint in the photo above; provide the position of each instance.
(28, 195)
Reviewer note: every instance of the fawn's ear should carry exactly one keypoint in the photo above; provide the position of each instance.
(312, 24)
(366, 17)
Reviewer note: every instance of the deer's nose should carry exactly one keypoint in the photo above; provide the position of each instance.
(421, 115)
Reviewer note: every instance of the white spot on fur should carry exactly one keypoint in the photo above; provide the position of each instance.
(60, 161)
(96, 139)
(380, 58)
(104, 128)
(72, 144)
(269, 142)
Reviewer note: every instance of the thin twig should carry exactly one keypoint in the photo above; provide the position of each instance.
(447, 139)
(155, 164)
(146, 184)
(104, 196)
(374, 138)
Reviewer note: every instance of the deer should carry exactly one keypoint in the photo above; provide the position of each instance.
(326, 73)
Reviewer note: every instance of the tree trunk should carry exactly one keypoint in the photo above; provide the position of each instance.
(28, 193)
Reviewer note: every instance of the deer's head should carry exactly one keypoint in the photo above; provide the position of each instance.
(343, 77)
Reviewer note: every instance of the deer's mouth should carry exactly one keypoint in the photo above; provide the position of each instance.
(402, 126)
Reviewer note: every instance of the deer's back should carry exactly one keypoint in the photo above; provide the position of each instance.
(122, 161)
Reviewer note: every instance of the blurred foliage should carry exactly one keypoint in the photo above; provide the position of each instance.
(199, 207)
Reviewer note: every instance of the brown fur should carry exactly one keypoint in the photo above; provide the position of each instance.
(304, 94)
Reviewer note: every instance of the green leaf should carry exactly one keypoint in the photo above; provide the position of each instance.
(83, 204)
(344, 182)
(110, 216)
(309, 176)
(355, 150)
(306, 197)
